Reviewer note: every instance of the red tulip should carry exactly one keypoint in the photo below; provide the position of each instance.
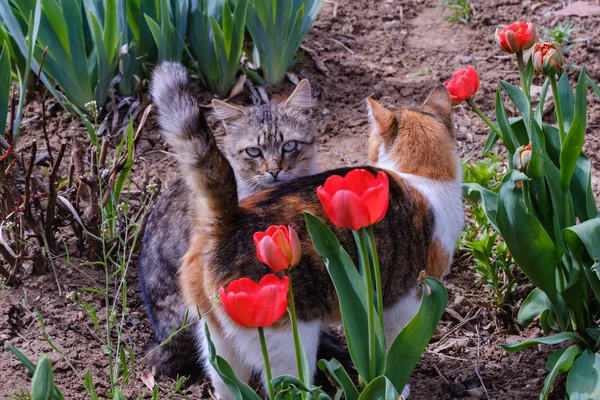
(357, 200)
(547, 59)
(254, 305)
(463, 85)
(278, 247)
(516, 37)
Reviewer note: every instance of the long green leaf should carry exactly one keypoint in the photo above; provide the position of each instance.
(534, 305)
(583, 241)
(42, 384)
(517, 96)
(34, 23)
(352, 294)
(530, 245)
(27, 363)
(337, 372)
(573, 143)
(380, 388)
(563, 364)
(406, 350)
(277, 29)
(13, 27)
(593, 85)
(581, 190)
(5, 72)
(554, 339)
(567, 101)
(158, 37)
(239, 389)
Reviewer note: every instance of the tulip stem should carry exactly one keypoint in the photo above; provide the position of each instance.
(363, 254)
(559, 114)
(377, 273)
(263, 346)
(297, 346)
(485, 119)
(524, 84)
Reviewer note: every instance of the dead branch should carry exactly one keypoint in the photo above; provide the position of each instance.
(86, 200)
(51, 199)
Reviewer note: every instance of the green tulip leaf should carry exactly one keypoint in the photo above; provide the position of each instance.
(593, 85)
(581, 190)
(27, 363)
(583, 241)
(530, 245)
(516, 95)
(42, 384)
(583, 381)
(535, 304)
(380, 388)
(239, 389)
(89, 386)
(409, 345)
(571, 149)
(352, 294)
(562, 365)
(567, 101)
(540, 107)
(290, 387)
(119, 395)
(553, 359)
(491, 140)
(508, 137)
(552, 140)
(554, 339)
(520, 130)
(337, 372)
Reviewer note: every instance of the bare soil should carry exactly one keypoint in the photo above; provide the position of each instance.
(395, 51)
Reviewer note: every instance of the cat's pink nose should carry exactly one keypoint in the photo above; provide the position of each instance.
(274, 172)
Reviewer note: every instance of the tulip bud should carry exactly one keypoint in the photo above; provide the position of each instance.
(516, 37)
(278, 247)
(524, 158)
(547, 59)
(463, 85)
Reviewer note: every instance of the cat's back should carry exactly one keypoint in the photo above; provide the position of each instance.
(403, 237)
(166, 239)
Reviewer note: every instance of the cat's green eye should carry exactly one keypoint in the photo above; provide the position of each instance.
(290, 146)
(253, 151)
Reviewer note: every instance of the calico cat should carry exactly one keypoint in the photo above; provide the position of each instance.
(265, 145)
(415, 148)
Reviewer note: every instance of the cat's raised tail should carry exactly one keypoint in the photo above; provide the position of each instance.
(206, 171)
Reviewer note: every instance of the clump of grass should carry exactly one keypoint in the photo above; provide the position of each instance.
(460, 10)
(564, 35)
(492, 261)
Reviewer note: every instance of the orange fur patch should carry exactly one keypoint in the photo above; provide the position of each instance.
(191, 275)
(424, 147)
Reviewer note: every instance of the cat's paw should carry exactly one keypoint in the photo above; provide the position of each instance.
(406, 392)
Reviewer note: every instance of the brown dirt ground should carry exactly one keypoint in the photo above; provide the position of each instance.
(371, 48)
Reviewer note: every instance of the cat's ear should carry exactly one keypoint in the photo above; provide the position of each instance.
(301, 97)
(439, 102)
(380, 118)
(227, 112)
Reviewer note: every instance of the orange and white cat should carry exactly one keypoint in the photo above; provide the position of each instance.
(415, 147)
